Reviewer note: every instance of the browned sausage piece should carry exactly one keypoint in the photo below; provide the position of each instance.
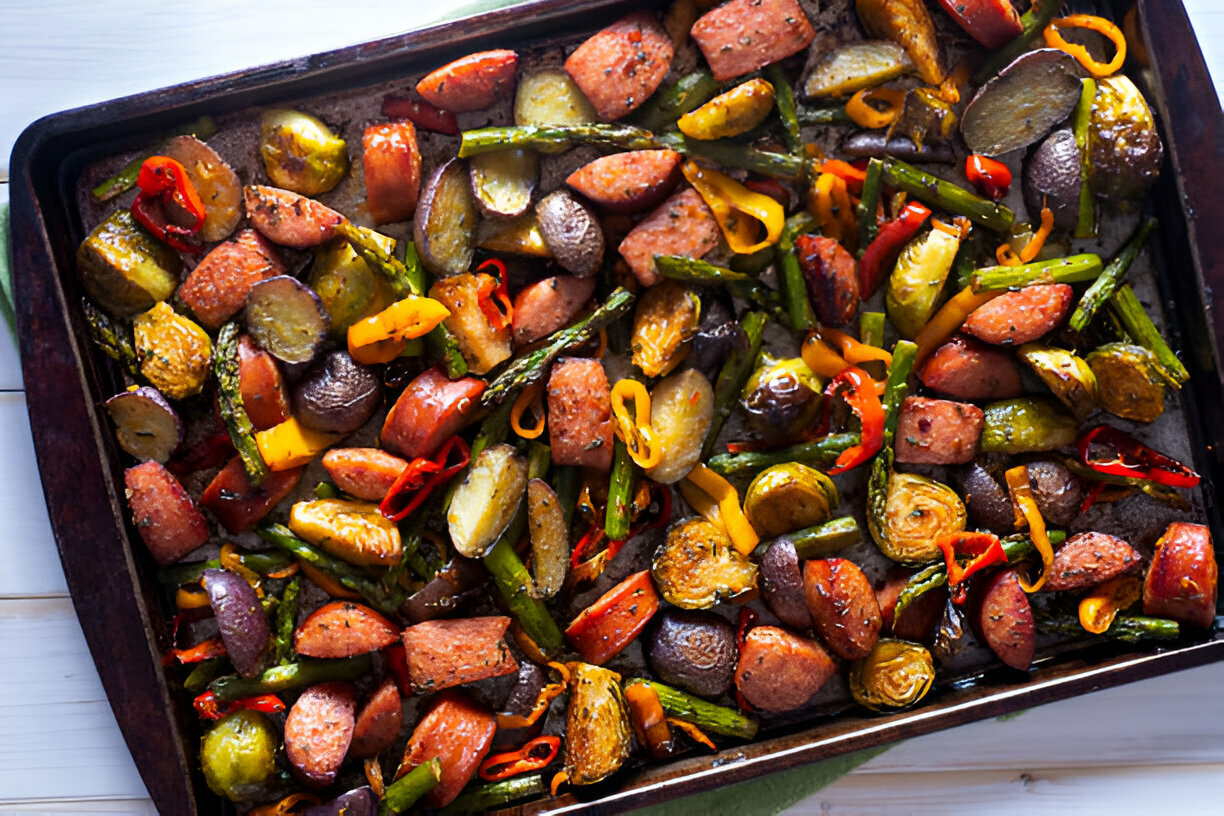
(681, 225)
(366, 473)
(379, 721)
(318, 731)
(1021, 316)
(343, 629)
(445, 653)
(1181, 582)
(968, 369)
(1088, 559)
(938, 432)
(580, 413)
(743, 35)
(166, 516)
(843, 606)
(780, 671)
(545, 306)
(619, 67)
(264, 395)
(832, 278)
(628, 182)
(237, 503)
(428, 412)
(917, 620)
(289, 219)
(472, 82)
(217, 288)
(458, 731)
(1004, 618)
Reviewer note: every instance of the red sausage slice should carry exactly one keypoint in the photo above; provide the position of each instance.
(264, 396)
(681, 225)
(968, 369)
(743, 35)
(217, 288)
(428, 412)
(580, 413)
(472, 82)
(780, 671)
(164, 513)
(993, 23)
(367, 473)
(318, 731)
(343, 629)
(938, 432)
(445, 653)
(1182, 581)
(458, 731)
(379, 721)
(628, 182)
(832, 278)
(238, 504)
(619, 67)
(843, 605)
(1021, 316)
(391, 163)
(289, 219)
(1088, 559)
(1004, 618)
(545, 306)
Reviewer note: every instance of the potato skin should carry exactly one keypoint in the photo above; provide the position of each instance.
(843, 606)
(695, 651)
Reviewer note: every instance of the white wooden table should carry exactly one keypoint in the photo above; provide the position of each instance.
(1151, 747)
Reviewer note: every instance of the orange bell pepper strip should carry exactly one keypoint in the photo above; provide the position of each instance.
(1099, 607)
(830, 203)
(530, 397)
(820, 357)
(1054, 39)
(1021, 491)
(868, 116)
(382, 337)
(648, 719)
(852, 350)
(950, 317)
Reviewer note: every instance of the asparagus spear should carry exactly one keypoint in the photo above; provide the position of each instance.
(292, 676)
(403, 280)
(620, 493)
(706, 716)
(1110, 279)
(404, 792)
(694, 270)
(819, 454)
(202, 128)
(491, 795)
(868, 205)
(1033, 22)
(1127, 628)
(784, 100)
(732, 153)
(531, 367)
(734, 374)
(824, 115)
(668, 104)
(229, 400)
(1072, 269)
(264, 563)
(871, 328)
(945, 195)
(1138, 324)
(790, 276)
(1085, 221)
(111, 337)
(386, 599)
(535, 137)
(286, 617)
(515, 584)
(822, 540)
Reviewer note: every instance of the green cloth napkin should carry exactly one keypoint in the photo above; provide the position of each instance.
(6, 273)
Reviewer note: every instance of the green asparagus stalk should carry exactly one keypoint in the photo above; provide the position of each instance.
(734, 374)
(819, 454)
(823, 540)
(1126, 628)
(706, 716)
(530, 367)
(326, 490)
(292, 676)
(869, 204)
(202, 128)
(384, 598)
(229, 400)
(286, 618)
(567, 484)
(790, 276)
(871, 328)
(620, 493)
(1072, 269)
(264, 563)
(1085, 221)
(1033, 22)
(113, 338)
(491, 795)
(784, 100)
(947, 196)
(966, 261)
(204, 673)
(695, 270)
(1109, 280)
(668, 104)
(732, 153)
(515, 584)
(404, 792)
(536, 137)
(443, 345)
(823, 115)
(363, 242)
(1138, 324)
(895, 390)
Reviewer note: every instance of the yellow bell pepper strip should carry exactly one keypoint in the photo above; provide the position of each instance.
(1054, 39)
(530, 397)
(232, 561)
(291, 444)
(732, 113)
(820, 357)
(635, 431)
(830, 203)
(373, 775)
(950, 317)
(191, 597)
(1006, 256)
(1027, 511)
(702, 504)
(382, 337)
(1099, 607)
(866, 115)
(743, 537)
(737, 209)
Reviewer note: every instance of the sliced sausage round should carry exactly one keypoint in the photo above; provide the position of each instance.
(1004, 618)
(968, 369)
(318, 731)
(780, 671)
(843, 606)
(1021, 316)
(1088, 559)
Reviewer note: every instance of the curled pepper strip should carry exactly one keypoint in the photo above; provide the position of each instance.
(648, 719)
(208, 705)
(867, 115)
(549, 693)
(1107, 450)
(737, 209)
(859, 391)
(534, 755)
(882, 252)
(1054, 39)
(854, 177)
(163, 182)
(852, 350)
(1099, 607)
(692, 732)
(985, 549)
(1006, 256)
(232, 561)
(830, 203)
(382, 337)
(493, 294)
(191, 596)
(1026, 505)
(530, 397)
(421, 477)
(635, 431)
(743, 537)
(204, 650)
(820, 357)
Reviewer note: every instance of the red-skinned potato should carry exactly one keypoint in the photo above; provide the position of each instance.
(472, 82)
(240, 618)
(428, 412)
(164, 513)
(146, 426)
(571, 232)
(444, 227)
(392, 165)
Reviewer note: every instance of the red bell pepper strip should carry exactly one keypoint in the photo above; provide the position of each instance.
(882, 252)
(420, 113)
(414, 485)
(534, 755)
(853, 175)
(857, 388)
(208, 705)
(990, 176)
(986, 550)
(206, 454)
(397, 662)
(204, 650)
(1107, 450)
(494, 295)
(164, 182)
(607, 626)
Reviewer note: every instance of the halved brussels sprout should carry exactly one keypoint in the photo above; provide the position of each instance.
(596, 724)
(1067, 375)
(666, 318)
(917, 279)
(917, 512)
(238, 754)
(1130, 385)
(1026, 424)
(301, 153)
(349, 288)
(124, 268)
(696, 567)
(789, 497)
(781, 397)
(1124, 149)
(896, 674)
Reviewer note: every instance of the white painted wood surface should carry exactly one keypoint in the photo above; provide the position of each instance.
(1151, 747)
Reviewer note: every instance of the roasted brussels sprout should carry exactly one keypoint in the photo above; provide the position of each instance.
(124, 268)
(918, 511)
(681, 411)
(596, 725)
(349, 288)
(1067, 375)
(667, 316)
(896, 674)
(696, 567)
(918, 278)
(301, 153)
(1128, 381)
(789, 497)
(1026, 424)
(238, 754)
(1124, 149)
(781, 398)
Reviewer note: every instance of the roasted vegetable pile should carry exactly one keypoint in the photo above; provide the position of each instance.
(571, 409)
